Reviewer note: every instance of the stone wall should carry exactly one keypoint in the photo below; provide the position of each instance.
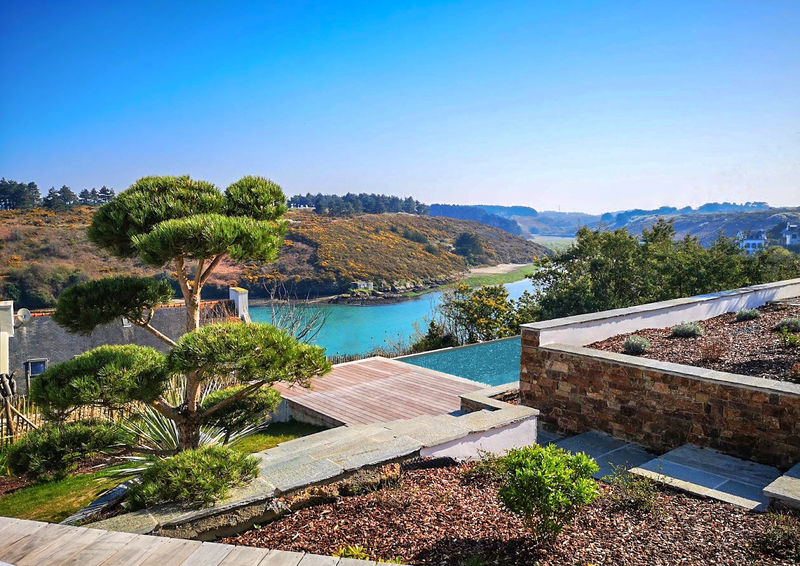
(42, 338)
(658, 404)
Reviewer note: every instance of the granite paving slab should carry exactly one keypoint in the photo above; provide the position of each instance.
(608, 452)
(708, 473)
(786, 489)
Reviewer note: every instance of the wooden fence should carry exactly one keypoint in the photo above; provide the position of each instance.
(25, 416)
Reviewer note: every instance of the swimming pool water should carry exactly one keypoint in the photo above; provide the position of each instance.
(493, 363)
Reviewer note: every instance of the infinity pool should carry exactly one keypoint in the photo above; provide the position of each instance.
(493, 363)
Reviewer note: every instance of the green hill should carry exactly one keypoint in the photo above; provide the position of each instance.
(43, 251)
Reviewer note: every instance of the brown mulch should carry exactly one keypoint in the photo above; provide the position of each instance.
(749, 347)
(441, 516)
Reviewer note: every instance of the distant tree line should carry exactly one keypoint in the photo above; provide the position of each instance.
(363, 203)
(14, 195)
(478, 214)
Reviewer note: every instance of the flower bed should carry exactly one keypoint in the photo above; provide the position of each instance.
(443, 516)
(750, 347)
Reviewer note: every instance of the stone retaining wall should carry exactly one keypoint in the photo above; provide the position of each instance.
(661, 405)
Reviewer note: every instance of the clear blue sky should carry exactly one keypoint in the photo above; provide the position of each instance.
(580, 105)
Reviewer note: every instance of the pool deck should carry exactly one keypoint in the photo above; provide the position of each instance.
(377, 390)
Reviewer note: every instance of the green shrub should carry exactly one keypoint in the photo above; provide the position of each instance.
(747, 314)
(53, 451)
(546, 486)
(790, 324)
(636, 345)
(354, 551)
(632, 491)
(687, 330)
(781, 538)
(788, 340)
(199, 476)
(251, 410)
(435, 338)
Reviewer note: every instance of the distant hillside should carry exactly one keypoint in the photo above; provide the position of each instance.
(42, 252)
(552, 223)
(478, 214)
(508, 211)
(706, 227)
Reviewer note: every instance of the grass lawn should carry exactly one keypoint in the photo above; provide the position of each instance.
(274, 435)
(481, 280)
(55, 501)
(555, 243)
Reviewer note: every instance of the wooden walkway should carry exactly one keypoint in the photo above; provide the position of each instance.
(378, 390)
(31, 543)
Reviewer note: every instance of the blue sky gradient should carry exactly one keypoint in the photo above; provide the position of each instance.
(590, 106)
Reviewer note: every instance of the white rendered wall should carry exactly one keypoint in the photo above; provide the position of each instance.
(494, 441)
(588, 328)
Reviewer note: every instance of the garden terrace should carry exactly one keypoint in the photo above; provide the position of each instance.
(661, 405)
(438, 513)
(748, 347)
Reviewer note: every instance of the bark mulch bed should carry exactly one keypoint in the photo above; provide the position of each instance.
(441, 516)
(749, 347)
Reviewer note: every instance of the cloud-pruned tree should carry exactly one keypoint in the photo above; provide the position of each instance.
(188, 226)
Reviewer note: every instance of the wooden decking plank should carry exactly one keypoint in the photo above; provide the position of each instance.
(245, 556)
(135, 551)
(34, 541)
(16, 531)
(281, 558)
(208, 554)
(103, 548)
(174, 551)
(72, 541)
(318, 560)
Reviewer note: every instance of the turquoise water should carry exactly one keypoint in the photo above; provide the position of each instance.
(493, 363)
(356, 329)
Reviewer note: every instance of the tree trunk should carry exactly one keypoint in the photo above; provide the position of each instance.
(188, 435)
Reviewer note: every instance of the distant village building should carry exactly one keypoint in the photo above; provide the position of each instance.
(791, 234)
(363, 285)
(753, 241)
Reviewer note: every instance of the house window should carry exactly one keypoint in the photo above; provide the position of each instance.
(35, 367)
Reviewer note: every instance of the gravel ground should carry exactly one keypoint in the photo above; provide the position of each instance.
(750, 347)
(441, 516)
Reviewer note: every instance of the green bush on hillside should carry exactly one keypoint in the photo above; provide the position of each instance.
(199, 476)
(54, 450)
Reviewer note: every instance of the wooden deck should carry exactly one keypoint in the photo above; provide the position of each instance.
(31, 543)
(378, 390)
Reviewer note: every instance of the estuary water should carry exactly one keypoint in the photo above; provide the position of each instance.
(356, 329)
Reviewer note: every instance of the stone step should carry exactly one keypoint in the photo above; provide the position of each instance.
(708, 473)
(609, 452)
(786, 489)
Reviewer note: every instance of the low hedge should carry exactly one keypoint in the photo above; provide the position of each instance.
(53, 451)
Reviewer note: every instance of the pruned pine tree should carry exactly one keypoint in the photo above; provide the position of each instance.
(188, 226)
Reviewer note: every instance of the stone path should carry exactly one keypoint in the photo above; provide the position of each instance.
(33, 543)
(609, 452)
(786, 489)
(708, 473)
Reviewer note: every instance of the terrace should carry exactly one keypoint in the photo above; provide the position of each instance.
(397, 472)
